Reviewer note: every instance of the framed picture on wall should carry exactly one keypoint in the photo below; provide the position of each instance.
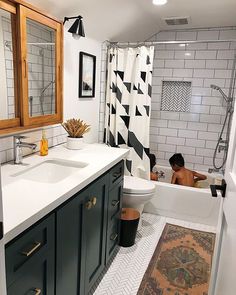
(87, 74)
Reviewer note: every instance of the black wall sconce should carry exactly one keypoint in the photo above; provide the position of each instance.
(77, 29)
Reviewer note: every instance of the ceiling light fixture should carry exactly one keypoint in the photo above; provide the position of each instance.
(77, 29)
(159, 2)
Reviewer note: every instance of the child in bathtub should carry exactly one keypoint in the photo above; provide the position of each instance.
(182, 175)
(153, 175)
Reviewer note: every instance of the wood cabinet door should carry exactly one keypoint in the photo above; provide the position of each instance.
(40, 68)
(68, 243)
(94, 233)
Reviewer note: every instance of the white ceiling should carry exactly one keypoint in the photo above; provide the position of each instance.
(136, 20)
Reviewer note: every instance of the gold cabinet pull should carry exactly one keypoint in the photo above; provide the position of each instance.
(37, 291)
(31, 251)
(115, 203)
(94, 201)
(113, 237)
(89, 205)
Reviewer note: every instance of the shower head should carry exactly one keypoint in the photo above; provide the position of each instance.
(46, 87)
(215, 87)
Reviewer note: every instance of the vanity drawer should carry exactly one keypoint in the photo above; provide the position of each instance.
(113, 237)
(115, 199)
(35, 244)
(116, 174)
(37, 280)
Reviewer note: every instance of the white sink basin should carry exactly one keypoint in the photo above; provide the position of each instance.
(51, 171)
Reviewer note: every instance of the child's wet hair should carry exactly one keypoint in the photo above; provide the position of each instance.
(177, 159)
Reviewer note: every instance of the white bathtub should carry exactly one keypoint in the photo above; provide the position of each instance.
(187, 203)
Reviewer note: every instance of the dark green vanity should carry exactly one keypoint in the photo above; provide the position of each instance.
(65, 253)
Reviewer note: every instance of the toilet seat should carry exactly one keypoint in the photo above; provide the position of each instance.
(138, 186)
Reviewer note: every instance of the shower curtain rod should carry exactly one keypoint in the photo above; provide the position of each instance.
(186, 42)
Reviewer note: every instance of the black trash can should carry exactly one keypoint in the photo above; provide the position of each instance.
(129, 224)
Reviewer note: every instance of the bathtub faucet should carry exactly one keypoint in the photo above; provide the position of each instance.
(212, 170)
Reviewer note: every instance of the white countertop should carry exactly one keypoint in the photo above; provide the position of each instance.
(26, 201)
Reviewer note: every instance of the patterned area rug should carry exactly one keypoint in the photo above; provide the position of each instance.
(181, 263)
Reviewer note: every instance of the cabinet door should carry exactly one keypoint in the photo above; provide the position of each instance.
(30, 261)
(94, 233)
(41, 68)
(68, 239)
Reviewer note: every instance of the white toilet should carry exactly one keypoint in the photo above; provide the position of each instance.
(137, 192)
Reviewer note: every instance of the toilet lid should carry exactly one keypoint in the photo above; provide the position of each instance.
(135, 185)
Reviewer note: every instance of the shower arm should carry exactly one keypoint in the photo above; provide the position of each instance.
(226, 98)
(45, 88)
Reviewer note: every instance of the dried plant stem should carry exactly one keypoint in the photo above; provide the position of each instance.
(75, 127)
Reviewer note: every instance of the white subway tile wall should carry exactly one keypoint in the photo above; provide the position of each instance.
(41, 65)
(55, 134)
(193, 134)
(103, 92)
(7, 39)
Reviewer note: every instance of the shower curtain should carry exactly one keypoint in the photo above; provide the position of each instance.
(128, 105)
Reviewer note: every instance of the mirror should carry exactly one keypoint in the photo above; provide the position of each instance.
(8, 106)
(41, 68)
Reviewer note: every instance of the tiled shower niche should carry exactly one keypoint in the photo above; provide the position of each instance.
(176, 96)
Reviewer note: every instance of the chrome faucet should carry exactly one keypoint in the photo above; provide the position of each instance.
(18, 144)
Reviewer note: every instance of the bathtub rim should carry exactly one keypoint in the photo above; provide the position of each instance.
(181, 187)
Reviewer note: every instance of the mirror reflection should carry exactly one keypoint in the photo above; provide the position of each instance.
(7, 86)
(41, 68)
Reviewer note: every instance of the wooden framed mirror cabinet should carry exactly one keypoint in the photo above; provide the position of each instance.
(31, 67)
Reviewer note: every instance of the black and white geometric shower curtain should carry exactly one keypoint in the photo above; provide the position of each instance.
(128, 105)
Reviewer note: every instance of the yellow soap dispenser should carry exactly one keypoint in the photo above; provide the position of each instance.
(43, 145)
